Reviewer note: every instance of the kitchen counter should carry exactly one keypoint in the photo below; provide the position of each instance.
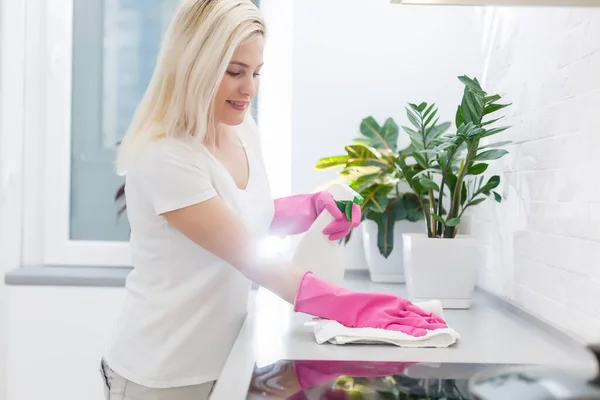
(491, 332)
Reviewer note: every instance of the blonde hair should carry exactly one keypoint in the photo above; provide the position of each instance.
(194, 56)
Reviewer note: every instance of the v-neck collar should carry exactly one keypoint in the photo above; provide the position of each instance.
(242, 141)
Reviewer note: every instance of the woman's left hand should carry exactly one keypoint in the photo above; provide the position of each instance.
(295, 214)
(341, 226)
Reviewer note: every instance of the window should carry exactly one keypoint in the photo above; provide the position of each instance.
(102, 55)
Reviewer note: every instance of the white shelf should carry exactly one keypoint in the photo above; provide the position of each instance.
(550, 3)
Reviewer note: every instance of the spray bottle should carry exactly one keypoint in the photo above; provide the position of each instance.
(316, 252)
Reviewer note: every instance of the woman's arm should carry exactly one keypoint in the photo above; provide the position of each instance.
(214, 227)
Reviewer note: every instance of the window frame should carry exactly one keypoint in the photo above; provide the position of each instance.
(58, 247)
(55, 246)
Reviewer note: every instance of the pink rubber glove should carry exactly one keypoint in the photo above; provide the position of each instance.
(295, 214)
(363, 310)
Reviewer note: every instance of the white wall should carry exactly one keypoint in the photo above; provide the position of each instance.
(11, 124)
(355, 58)
(57, 337)
(544, 240)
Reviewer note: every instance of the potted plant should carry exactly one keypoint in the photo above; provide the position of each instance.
(442, 263)
(370, 167)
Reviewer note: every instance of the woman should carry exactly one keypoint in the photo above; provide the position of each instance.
(199, 203)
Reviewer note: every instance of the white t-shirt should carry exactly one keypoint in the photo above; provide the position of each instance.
(184, 306)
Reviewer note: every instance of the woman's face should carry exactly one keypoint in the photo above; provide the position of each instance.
(240, 83)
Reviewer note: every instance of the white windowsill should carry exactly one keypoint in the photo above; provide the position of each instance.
(63, 275)
(59, 275)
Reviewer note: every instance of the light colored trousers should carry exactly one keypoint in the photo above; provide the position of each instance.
(118, 388)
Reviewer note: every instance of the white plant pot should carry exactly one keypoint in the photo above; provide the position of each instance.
(441, 269)
(391, 269)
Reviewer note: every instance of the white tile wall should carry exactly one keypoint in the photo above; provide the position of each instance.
(544, 239)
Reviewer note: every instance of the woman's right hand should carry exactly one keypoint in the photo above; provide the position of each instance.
(363, 310)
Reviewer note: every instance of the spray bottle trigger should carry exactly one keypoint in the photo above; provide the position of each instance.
(345, 206)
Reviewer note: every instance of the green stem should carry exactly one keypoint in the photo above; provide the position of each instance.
(434, 228)
(448, 165)
(450, 231)
(427, 215)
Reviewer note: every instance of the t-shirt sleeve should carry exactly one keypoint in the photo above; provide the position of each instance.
(174, 177)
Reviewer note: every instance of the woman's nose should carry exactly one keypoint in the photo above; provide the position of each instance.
(249, 87)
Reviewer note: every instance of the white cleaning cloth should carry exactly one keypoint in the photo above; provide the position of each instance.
(335, 333)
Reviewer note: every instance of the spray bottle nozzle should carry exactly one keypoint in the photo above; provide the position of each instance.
(345, 206)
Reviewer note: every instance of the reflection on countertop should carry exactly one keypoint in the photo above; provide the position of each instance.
(491, 333)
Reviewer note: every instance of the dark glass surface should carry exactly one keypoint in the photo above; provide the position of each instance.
(357, 380)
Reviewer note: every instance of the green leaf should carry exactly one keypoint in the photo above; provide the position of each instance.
(407, 151)
(491, 99)
(497, 144)
(413, 119)
(479, 93)
(408, 173)
(491, 108)
(385, 230)
(451, 181)
(428, 184)
(349, 210)
(490, 155)
(422, 107)
(390, 134)
(491, 121)
(438, 218)
(385, 137)
(417, 144)
(346, 238)
(427, 171)
(331, 162)
(430, 118)
(413, 207)
(474, 108)
(437, 130)
(453, 222)
(426, 113)
(470, 83)
(412, 133)
(363, 155)
(363, 182)
(459, 119)
(497, 197)
(376, 198)
(494, 131)
(420, 160)
(400, 208)
(464, 109)
(477, 134)
(477, 169)
(476, 201)
(492, 183)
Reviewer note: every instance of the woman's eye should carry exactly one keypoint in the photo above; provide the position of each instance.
(234, 74)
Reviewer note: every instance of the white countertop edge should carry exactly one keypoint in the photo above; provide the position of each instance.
(238, 369)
